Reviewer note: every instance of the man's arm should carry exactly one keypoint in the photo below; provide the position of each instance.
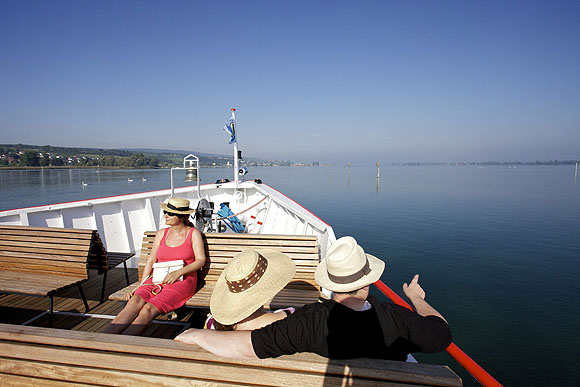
(416, 294)
(233, 344)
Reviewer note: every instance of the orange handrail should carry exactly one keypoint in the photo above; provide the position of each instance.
(482, 376)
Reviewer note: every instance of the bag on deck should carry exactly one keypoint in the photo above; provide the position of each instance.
(225, 213)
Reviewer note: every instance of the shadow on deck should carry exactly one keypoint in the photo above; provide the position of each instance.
(69, 309)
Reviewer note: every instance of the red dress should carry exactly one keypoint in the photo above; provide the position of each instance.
(175, 295)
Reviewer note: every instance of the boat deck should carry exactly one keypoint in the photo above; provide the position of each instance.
(69, 309)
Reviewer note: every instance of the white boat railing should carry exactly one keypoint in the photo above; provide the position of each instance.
(122, 220)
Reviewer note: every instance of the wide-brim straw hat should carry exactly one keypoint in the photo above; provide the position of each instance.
(347, 267)
(177, 206)
(248, 281)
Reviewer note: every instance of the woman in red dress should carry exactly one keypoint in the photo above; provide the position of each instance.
(180, 241)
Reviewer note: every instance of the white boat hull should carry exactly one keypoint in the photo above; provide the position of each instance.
(122, 220)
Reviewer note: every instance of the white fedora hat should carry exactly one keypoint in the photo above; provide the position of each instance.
(347, 267)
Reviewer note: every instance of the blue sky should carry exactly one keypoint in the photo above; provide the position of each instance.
(339, 81)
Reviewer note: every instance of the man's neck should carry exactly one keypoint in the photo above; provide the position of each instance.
(353, 302)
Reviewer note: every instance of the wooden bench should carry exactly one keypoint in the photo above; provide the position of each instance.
(221, 248)
(40, 356)
(41, 261)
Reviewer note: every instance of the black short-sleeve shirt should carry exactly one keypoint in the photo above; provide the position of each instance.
(332, 330)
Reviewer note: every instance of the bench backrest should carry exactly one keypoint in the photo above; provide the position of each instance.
(51, 251)
(130, 360)
(221, 248)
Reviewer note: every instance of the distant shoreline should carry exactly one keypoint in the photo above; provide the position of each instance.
(3, 167)
(411, 164)
(71, 167)
(489, 163)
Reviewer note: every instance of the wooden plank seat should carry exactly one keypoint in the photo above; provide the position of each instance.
(40, 356)
(221, 248)
(42, 261)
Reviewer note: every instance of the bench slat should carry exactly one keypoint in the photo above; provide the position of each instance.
(219, 236)
(213, 274)
(29, 371)
(275, 243)
(24, 381)
(31, 257)
(18, 232)
(298, 259)
(56, 247)
(23, 237)
(219, 266)
(75, 272)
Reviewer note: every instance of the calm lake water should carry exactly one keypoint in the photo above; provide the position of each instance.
(497, 248)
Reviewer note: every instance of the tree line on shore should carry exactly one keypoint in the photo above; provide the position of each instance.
(19, 157)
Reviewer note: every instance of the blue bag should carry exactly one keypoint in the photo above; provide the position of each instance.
(233, 222)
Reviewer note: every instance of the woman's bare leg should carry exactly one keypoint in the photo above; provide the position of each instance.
(146, 315)
(127, 315)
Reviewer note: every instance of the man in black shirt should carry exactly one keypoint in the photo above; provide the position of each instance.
(352, 325)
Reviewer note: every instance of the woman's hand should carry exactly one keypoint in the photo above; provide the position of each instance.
(172, 277)
(129, 295)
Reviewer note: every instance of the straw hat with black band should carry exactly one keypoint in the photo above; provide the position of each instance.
(347, 267)
(177, 206)
(248, 281)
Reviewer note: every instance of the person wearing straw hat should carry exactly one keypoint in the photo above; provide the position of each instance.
(352, 325)
(179, 245)
(248, 282)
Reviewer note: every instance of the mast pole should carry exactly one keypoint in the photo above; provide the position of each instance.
(236, 178)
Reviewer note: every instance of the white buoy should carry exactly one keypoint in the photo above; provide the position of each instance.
(378, 170)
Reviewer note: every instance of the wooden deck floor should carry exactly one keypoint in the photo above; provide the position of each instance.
(69, 309)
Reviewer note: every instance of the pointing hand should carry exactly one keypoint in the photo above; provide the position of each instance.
(414, 290)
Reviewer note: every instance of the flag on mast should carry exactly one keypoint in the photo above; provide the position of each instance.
(231, 129)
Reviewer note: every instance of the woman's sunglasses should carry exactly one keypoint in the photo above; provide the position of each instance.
(170, 213)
